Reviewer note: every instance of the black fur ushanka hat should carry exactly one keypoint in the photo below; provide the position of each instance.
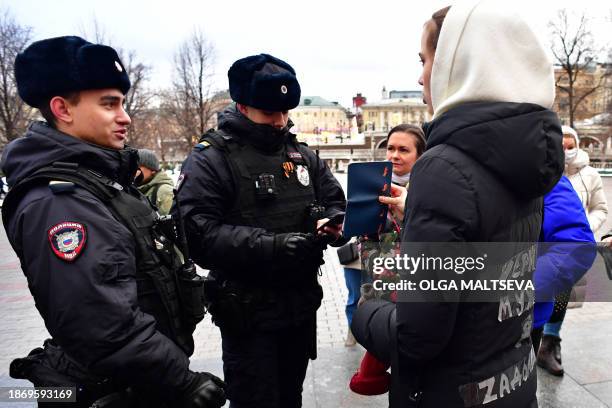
(56, 66)
(264, 82)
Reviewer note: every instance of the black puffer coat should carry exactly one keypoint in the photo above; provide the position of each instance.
(482, 179)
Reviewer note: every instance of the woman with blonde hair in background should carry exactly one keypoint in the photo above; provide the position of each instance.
(585, 179)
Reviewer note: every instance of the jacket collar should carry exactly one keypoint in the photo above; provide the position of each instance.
(263, 137)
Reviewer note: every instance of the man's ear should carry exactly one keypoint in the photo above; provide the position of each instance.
(243, 109)
(60, 108)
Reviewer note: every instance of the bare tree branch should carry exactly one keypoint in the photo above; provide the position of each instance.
(574, 51)
(14, 114)
(189, 101)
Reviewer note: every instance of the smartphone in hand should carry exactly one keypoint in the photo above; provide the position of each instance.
(335, 220)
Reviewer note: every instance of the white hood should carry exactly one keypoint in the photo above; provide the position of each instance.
(487, 52)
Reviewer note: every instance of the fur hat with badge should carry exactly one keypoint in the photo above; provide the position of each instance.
(264, 82)
(57, 66)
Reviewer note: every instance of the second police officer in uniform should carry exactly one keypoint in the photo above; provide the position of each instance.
(104, 274)
(252, 197)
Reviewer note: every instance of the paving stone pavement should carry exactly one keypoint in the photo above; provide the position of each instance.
(587, 338)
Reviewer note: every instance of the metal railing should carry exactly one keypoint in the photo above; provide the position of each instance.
(355, 155)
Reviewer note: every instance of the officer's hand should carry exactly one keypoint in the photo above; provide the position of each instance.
(295, 245)
(207, 391)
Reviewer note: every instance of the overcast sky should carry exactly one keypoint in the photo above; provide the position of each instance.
(338, 48)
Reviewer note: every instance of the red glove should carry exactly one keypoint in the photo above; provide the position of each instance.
(372, 377)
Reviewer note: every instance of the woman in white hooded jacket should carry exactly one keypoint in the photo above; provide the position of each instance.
(585, 179)
(493, 151)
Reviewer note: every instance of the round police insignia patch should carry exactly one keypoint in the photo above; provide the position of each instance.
(302, 175)
(67, 240)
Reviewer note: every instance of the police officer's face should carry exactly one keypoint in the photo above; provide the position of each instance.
(262, 117)
(99, 118)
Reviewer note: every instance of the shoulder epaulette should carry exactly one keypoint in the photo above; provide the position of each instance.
(214, 138)
(202, 145)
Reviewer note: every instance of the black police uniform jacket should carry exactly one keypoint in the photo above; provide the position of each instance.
(88, 302)
(481, 179)
(231, 232)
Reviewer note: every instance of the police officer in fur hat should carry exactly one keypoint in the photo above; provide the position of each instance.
(102, 271)
(252, 198)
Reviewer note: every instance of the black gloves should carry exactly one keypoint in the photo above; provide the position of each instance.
(296, 246)
(206, 391)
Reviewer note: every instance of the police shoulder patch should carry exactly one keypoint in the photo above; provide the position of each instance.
(67, 240)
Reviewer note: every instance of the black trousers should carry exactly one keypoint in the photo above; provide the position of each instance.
(266, 369)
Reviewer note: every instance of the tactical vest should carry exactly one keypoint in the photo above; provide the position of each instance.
(291, 297)
(284, 208)
(162, 291)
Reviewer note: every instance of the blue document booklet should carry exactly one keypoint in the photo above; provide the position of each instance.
(364, 213)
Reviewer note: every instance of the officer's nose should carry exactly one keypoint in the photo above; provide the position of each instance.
(280, 120)
(123, 118)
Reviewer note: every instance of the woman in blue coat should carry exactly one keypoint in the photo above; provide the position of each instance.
(559, 265)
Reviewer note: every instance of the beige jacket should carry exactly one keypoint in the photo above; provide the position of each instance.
(587, 183)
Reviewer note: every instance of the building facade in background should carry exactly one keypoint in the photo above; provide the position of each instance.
(395, 107)
(594, 103)
(316, 115)
(592, 116)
